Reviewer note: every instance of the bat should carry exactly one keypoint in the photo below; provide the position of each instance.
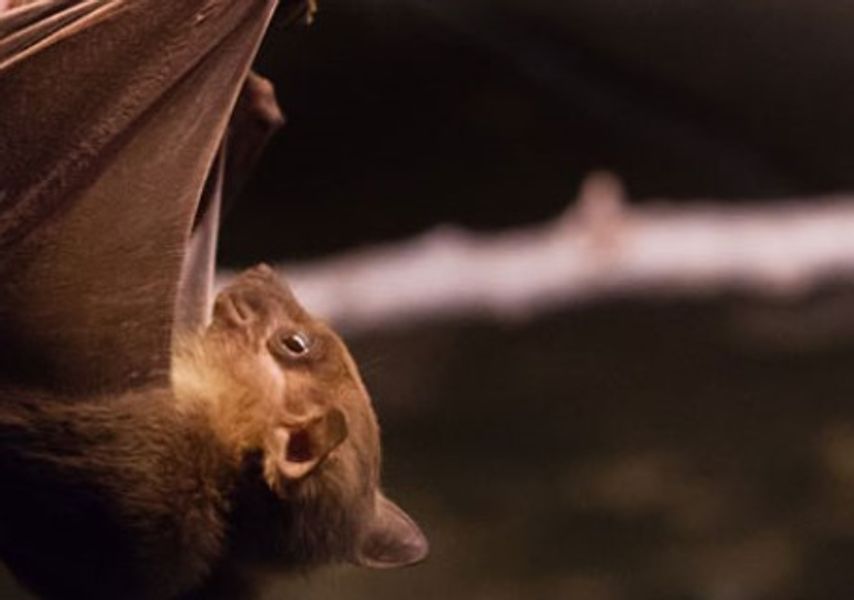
(125, 126)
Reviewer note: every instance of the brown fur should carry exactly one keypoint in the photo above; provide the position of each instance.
(148, 494)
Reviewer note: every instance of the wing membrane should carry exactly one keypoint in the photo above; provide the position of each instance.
(109, 126)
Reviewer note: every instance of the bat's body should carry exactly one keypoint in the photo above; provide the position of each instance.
(256, 456)
(141, 449)
(109, 498)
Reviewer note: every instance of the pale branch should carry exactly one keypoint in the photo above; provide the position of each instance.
(602, 247)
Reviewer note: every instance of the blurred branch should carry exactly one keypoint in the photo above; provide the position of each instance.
(601, 247)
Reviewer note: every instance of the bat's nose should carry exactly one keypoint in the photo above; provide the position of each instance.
(263, 270)
(231, 309)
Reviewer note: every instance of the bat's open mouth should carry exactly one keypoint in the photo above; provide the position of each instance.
(305, 446)
(299, 447)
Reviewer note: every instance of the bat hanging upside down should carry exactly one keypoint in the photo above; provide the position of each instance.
(154, 443)
(263, 452)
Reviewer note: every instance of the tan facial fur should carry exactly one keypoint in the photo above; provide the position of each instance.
(273, 380)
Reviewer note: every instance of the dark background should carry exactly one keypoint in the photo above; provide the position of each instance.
(672, 449)
(489, 112)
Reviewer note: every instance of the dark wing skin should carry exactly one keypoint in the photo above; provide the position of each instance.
(112, 113)
(256, 117)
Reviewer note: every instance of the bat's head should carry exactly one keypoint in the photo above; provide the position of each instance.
(290, 394)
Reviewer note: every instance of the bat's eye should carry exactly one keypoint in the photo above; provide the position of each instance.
(291, 344)
(296, 343)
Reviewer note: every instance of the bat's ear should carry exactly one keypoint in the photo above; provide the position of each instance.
(392, 539)
(296, 451)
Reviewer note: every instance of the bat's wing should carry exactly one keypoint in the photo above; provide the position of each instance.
(111, 116)
(256, 117)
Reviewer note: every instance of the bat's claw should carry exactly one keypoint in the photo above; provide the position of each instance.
(311, 10)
